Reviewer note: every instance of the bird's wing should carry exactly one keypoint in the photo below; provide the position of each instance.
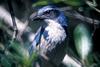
(36, 40)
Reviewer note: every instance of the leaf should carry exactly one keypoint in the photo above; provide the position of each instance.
(40, 3)
(83, 41)
(74, 2)
(19, 53)
(5, 62)
(67, 2)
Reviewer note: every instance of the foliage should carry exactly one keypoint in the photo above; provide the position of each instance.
(83, 41)
(67, 2)
(16, 54)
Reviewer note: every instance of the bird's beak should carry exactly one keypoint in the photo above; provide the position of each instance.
(34, 17)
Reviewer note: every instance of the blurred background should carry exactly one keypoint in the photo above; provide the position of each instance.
(17, 31)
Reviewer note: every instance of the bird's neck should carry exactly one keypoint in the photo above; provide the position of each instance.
(55, 24)
(52, 23)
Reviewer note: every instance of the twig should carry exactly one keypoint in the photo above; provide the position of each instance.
(13, 20)
(71, 62)
(22, 27)
(74, 14)
(92, 5)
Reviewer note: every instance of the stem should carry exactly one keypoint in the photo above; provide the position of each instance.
(13, 21)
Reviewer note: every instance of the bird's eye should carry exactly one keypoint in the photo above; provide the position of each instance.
(47, 13)
(51, 13)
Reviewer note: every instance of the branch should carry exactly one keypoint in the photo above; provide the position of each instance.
(13, 21)
(74, 14)
(22, 27)
(70, 62)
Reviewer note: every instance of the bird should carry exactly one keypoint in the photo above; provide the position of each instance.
(50, 39)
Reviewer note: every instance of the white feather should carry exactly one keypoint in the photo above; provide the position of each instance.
(55, 31)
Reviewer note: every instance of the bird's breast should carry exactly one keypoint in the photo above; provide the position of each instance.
(55, 32)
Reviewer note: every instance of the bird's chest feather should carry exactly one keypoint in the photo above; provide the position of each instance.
(54, 33)
(52, 41)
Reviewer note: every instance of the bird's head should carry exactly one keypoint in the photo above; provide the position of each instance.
(52, 13)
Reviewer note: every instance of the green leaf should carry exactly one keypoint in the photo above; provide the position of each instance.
(67, 2)
(40, 3)
(83, 41)
(19, 53)
(74, 2)
(5, 62)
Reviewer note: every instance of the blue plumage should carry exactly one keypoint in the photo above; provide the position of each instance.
(36, 40)
(50, 40)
